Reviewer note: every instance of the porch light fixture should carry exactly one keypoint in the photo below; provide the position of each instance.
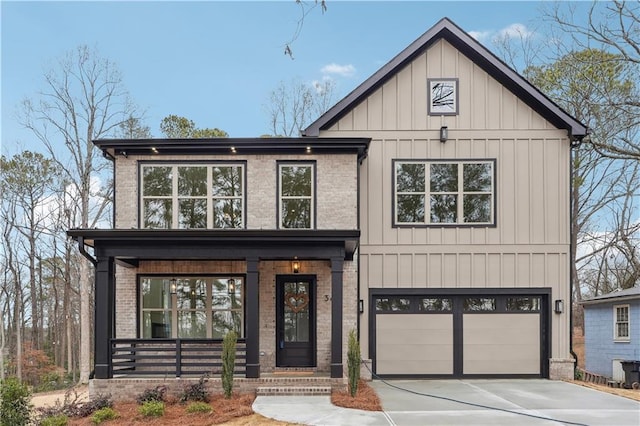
(444, 134)
(231, 286)
(295, 266)
(361, 306)
(559, 306)
(173, 286)
(154, 150)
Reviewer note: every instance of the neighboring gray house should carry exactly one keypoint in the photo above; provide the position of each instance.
(612, 331)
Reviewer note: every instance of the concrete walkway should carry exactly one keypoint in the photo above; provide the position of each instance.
(463, 402)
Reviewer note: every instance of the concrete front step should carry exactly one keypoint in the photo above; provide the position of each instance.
(293, 390)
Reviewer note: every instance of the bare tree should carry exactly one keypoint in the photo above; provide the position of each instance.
(305, 8)
(292, 106)
(84, 99)
(613, 26)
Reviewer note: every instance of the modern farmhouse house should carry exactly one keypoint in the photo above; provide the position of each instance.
(428, 209)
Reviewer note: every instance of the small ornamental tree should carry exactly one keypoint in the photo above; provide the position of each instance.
(228, 362)
(353, 362)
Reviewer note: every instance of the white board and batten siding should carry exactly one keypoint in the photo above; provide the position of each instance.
(528, 246)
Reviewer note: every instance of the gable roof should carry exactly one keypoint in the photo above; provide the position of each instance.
(615, 296)
(480, 55)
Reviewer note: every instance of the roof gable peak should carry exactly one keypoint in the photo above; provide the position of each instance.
(446, 29)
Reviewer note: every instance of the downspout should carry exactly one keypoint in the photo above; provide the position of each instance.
(85, 253)
(575, 144)
(111, 158)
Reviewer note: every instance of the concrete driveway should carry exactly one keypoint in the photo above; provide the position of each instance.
(502, 402)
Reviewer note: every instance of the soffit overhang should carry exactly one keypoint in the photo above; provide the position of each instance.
(234, 146)
(129, 246)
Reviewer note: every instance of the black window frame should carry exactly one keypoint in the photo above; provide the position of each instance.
(314, 193)
(428, 224)
(209, 197)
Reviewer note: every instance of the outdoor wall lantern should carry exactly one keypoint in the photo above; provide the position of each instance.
(559, 306)
(444, 134)
(361, 306)
(231, 286)
(295, 266)
(173, 286)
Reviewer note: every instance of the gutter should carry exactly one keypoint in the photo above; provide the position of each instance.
(85, 253)
(574, 144)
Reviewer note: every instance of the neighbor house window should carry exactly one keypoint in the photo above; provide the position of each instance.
(621, 322)
(443, 192)
(200, 308)
(186, 196)
(296, 204)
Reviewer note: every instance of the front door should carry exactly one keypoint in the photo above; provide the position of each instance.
(295, 321)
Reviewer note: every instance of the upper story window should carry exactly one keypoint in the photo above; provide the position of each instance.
(444, 192)
(296, 201)
(188, 196)
(621, 322)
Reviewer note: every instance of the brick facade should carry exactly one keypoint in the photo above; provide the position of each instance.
(335, 208)
(127, 316)
(336, 188)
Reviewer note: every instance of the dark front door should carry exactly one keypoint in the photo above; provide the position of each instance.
(295, 321)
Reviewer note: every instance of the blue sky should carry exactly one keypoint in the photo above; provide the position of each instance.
(216, 62)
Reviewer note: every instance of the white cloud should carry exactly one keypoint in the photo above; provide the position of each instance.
(515, 30)
(343, 70)
(480, 35)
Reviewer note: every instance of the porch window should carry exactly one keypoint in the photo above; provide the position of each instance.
(192, 196)
(296, 204)
(201, 308)
(621, 322)
(443, 192)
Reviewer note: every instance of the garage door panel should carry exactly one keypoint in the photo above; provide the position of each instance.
(501, 344)
(414, 344)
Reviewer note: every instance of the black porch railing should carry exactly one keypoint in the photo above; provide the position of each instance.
(179, 357)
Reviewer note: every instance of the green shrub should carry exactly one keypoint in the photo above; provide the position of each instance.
(198, 407)
(353, 362)
(59, 420)
(155, 394)
(228, 362)
(152, 409)
(196, 392)
(15, 409)
(104, 414)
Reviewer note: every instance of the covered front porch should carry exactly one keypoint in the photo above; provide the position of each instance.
(262, 258)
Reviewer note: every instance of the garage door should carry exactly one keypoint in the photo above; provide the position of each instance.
(459, 335)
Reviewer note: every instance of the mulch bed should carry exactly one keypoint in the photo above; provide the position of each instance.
(366, 398)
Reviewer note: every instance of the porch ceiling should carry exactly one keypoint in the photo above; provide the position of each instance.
(129, 246)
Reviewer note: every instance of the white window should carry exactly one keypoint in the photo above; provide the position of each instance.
(191, 196)
(621, 322)
(296, 189)
(191, 307)
(444, 192)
